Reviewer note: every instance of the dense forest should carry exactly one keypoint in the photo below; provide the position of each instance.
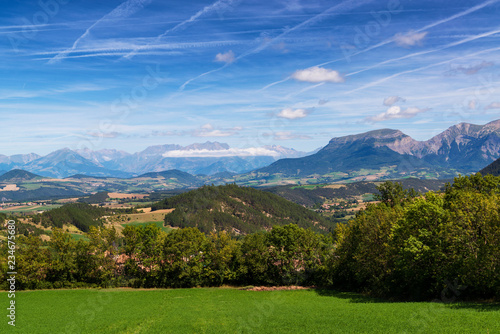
(239, 210)
(493, 168)
(81, 215)
(406, 247)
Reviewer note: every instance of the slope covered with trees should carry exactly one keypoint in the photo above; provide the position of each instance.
(241, 210)
(18, 175)
(82, 215)
(493, 168)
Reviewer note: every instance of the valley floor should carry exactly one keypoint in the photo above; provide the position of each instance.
(231, 310)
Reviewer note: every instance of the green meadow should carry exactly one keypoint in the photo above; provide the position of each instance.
(231, 310)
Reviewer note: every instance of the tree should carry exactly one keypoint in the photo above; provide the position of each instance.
(32, 262)
(393, 193)
(143, 248)
(219, 259)
(183, 258)
(62, 264)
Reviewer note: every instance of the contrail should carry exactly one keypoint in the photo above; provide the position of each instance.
(453, 17)
(218, 6)
(332, 11)
(465, 40)
(389, 40)
(375, 83)
(124, 49)
(343, 6)
(126, 9)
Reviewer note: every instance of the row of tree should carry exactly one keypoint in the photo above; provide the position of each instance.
(405, 247)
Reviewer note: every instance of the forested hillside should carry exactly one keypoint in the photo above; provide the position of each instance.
(82, 215)
(493, 168)
(241, 210)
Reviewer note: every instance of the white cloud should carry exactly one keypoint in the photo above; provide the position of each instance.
(389, 101)
(290, 113)
(411, 38)
(207, 126)
(395, 112)
(227, 57)
(318, 74)
(231, 152)
(493, 105)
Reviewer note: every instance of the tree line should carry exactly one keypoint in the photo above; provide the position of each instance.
(407, 247)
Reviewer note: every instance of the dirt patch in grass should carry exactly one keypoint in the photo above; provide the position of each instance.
(279, 288)
(121, 195)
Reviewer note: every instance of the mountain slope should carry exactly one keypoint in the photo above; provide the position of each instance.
(180, 177)
(16, 161)
(236, 209)
(466, 147)
(65, 162)
(463, 148)
(200, 158)
(493, 168)
(346, 154)
(18, 175)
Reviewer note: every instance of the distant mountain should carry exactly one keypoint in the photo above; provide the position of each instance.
(104, 158)
(463, 148)
(210, 146)
(65, 162)
(348, 153)
(493, 168)
(199, 158)
(18, 175)
(466, 147)
(386, 153)
(174, 175)
(16, 161)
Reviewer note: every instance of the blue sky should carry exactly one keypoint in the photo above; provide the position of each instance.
(130, 74)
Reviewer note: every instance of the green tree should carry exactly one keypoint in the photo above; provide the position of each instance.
(219, 259)
(183, 258)
(393, 193)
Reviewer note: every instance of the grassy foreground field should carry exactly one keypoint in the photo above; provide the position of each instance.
(220, 310)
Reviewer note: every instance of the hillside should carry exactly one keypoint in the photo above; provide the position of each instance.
(241, 210)
(463, 148)
(311, 195)
(18, 175)
(350, 153)
(179, 177)
(493, 168)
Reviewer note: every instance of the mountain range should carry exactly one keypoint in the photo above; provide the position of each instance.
(463, 148)
(198, 159)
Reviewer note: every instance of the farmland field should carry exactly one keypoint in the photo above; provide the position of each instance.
(230, 310)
